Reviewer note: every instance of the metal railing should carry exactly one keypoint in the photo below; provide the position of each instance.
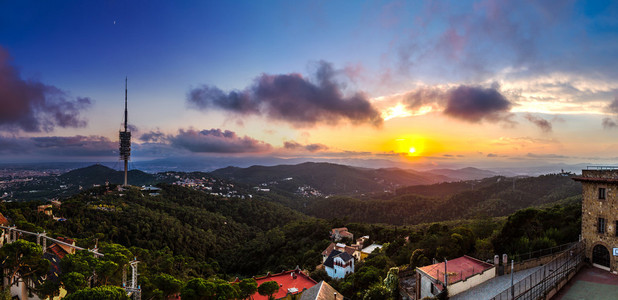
(542, 252)
(602, 168)
(537, 284)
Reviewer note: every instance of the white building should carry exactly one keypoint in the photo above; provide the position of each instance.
(339, 264)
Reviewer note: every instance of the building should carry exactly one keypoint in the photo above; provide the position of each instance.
(321, 291)
(339, 264)
(600, 216)
(368, 250)
(462, 273)
(46, 209)
(337, 234)
(291, 283)
(353, 250)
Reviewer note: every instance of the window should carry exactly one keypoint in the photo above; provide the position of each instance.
(616, 229)
(601, 225)
(601, 193)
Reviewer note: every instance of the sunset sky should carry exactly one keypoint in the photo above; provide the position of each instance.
(418, 83)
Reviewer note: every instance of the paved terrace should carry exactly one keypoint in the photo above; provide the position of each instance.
(492, 287)
(590, 283)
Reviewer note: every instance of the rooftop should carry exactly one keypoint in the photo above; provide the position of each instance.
(371, 248)
(461, 267)
(321, 291)
(287, 280)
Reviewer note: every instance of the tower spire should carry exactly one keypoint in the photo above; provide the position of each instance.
(125, 137)
(125, 105)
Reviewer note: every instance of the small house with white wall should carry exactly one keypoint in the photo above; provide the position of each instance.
(339, 264)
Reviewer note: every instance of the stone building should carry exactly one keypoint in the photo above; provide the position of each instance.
(600, 216)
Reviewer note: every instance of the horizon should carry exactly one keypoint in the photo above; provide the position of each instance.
(485, 84)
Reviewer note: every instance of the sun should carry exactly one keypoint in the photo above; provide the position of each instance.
(412, 150)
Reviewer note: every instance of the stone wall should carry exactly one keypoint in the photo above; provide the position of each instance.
(594, 208)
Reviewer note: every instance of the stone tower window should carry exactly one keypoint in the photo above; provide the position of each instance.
(601, 193)
(616, 229)
(601, 226)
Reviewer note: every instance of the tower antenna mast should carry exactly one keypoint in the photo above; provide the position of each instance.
(125, 138)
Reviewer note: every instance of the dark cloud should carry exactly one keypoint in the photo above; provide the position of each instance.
(492, 155)
(75, 145)
(543, 124)
(292, 98)
(65, 146)
(546, 156)
(609, 123)
(467, 103)
(613, 107)
(32, 106)
(475, 104)
(292, 145)
(152, 137)
(216, 141)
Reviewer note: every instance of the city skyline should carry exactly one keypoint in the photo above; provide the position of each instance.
(480, 83)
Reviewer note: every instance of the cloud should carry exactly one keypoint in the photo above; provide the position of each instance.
(609, 123)
(75, 145)
(474, 104)
(292, 145)
(467, 103)
(32, 106)
(292, 98)
(546, 156)
(492, 155)
(543, 124)
(216, 141)
(152, 137)
(65, 146)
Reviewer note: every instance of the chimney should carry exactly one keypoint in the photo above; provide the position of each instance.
(335, 295)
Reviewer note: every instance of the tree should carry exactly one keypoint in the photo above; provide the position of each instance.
(268, 288)
(106, 292)
(73, 281)
(197, 289)
(377, 292)
(248, 287)
(24, 258)
(168, 284)
(391, 282)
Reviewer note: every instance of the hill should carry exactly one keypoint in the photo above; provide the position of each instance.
(464, 174)
(496, 196)
(99, 174)
(328, 178)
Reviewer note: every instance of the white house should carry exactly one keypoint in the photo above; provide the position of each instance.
(339, 264)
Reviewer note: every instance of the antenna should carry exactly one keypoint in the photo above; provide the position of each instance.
(126, 119)
(125, 137)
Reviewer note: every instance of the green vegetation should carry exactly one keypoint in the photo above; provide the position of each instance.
(496, 196)
(195, 244)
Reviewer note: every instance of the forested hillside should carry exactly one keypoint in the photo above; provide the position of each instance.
(496, 196)
(184, 237)
(329, 178)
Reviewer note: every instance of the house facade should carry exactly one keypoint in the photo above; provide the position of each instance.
(339, 264)
(600, 216)
(462, 273)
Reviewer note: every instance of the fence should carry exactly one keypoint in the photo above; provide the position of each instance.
(542, 252)
(537, 284)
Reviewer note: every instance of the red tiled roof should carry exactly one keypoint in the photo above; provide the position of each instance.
(459, 268)
(3, 220)
(329, 249)
(57, 250)
(286, 281)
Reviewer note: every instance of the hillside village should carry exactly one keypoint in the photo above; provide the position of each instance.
(343, 259)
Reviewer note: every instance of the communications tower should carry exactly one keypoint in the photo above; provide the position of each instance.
(125, 138)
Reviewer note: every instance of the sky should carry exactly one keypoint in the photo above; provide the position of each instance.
(392, 83)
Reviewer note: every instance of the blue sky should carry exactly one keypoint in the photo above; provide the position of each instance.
(458, 82)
